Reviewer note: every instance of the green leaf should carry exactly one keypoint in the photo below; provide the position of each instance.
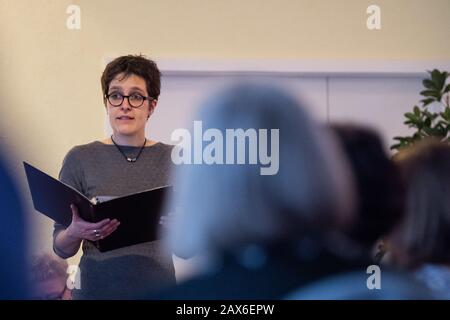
(411, 117)
(442, 131)
(395, 146)
(427, 113)
(403, 142)
(446, 114)
(427, 101)
(427, 83)
(431, 93)
(438, 78)
(424, 122)
(416, 111)
(441, 124)
(447, 88)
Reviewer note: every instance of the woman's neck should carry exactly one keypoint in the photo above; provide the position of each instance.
(124, 141)
(133, 141)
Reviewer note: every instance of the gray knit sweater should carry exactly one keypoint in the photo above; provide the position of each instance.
(98, 169)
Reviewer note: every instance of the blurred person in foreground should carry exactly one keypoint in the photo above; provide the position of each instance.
(263, 235)
(13, 248)
(48, 273)
(379, 187)
(421, 241)
(379, 208)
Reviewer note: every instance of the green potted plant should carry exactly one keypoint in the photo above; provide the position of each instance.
(429, 122)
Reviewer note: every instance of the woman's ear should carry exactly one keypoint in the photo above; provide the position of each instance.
(152, 107)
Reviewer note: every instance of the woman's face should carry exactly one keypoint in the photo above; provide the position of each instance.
(124, 119)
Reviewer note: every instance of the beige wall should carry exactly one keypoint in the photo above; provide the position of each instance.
(50, 96)
(263, 29)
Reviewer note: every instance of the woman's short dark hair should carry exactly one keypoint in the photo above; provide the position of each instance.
(138, 65)
(424, 235)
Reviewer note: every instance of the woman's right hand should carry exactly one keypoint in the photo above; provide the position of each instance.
(81, 229)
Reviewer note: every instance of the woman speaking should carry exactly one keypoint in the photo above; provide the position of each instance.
(125, 163)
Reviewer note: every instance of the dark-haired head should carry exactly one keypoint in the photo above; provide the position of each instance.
(138, 65)
(424, 234)
(378, 183)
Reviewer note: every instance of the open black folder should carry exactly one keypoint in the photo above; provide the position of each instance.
(139, 213)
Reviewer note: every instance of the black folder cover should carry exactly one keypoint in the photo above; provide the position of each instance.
(138, 213)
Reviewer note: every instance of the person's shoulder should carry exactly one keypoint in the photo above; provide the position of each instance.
(82, 149)
(164, 146)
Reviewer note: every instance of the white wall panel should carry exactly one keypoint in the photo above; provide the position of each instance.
(379, 102)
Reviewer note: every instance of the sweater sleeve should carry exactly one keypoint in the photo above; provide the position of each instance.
(72, 174)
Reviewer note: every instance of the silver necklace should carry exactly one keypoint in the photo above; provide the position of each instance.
(129, 159)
